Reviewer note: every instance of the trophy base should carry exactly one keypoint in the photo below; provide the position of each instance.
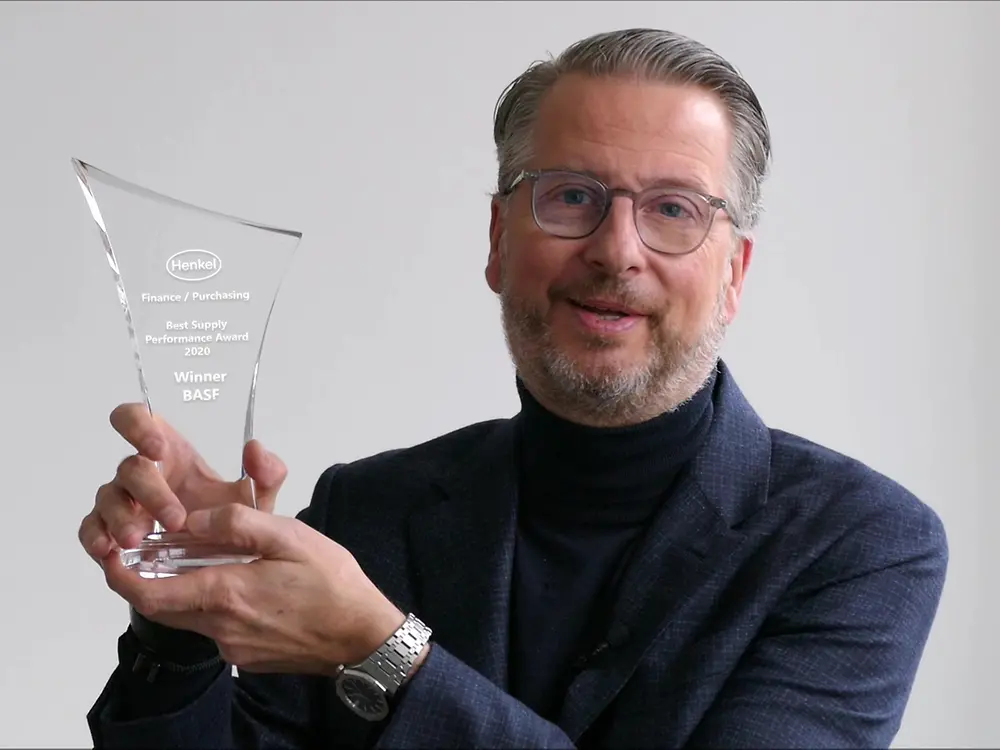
(164, 555)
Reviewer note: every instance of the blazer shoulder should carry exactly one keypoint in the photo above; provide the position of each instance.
(865, 504)
(437, 456)
(399, 475)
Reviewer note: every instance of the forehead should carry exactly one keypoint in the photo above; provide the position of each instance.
(633, 133)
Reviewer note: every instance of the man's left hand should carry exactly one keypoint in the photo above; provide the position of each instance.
(304, 607)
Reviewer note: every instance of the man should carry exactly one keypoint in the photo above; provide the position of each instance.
(633, 560)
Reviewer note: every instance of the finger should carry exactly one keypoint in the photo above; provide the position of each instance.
(124, 582)
(134, 423)
(149, 597)
(267, 471)
(94, 536)
(138, 479)
(191, 602)
(243, 528)
(123, 520)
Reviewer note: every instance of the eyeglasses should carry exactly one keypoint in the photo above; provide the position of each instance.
(570, 205)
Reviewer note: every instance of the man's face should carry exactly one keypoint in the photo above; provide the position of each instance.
(598, 371)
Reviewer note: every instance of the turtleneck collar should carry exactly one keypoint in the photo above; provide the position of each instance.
(575, 474)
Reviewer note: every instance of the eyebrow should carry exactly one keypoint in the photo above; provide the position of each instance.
(689, 183)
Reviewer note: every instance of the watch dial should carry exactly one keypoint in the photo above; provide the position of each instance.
(365, 696)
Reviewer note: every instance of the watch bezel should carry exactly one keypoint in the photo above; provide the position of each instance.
(352, 673)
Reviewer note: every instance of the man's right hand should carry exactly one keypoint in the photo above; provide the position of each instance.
(125, 507)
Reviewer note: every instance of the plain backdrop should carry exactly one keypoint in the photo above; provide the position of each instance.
(867, 321)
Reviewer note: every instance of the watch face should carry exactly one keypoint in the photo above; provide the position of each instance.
(365, 696)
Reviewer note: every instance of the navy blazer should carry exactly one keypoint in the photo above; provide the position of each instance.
(782, 598)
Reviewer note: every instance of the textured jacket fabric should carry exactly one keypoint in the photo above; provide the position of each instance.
(782, 597)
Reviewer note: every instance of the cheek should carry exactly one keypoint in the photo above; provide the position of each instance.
(532, 266)
(692, 289)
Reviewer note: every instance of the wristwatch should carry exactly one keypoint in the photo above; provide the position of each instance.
(367, 687)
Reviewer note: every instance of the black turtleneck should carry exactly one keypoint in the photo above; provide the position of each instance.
(585, 496)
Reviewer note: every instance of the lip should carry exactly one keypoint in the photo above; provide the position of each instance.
(605, 305)
(594, 322)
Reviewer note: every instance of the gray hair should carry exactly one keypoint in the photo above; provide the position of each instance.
(656, 55)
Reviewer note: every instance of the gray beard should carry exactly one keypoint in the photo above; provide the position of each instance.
(611, 396)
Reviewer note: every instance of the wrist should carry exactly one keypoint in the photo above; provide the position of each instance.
(368, 687)
(417, 663)
(376, 630)
(181, 646)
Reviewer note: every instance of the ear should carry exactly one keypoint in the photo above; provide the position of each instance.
(738, 265)
(496, 233)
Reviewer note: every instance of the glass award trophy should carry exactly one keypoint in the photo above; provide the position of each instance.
(197, 288)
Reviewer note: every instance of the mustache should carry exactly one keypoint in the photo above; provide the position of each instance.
(611, 289)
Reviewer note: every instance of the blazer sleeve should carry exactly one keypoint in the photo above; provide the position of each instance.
(835, 662)
(254, 710)
(447, 704)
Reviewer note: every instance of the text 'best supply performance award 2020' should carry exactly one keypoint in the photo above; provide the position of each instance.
(201, 287)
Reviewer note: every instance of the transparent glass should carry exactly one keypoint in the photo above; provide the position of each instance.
(197, 288)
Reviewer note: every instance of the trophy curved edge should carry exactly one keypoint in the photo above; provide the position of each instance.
(83, 168)
(82, 172)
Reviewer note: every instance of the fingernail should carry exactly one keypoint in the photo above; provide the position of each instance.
(154, 448)
(172, 518)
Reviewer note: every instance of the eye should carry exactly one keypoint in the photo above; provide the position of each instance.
(570, 196)
(565, 192)
(575, 196)
(672, 207)
(672, 210)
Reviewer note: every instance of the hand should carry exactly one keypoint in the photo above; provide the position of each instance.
(125, 507)
(303, 607)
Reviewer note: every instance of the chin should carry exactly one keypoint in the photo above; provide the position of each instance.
(598, 364)
(597, 348)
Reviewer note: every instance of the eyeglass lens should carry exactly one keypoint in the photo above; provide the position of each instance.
(670, 220)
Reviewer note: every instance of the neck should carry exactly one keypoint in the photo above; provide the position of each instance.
(587, 472)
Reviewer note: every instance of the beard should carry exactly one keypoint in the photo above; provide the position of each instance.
(671, 370)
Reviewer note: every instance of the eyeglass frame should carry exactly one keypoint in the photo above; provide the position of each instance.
(533, 175)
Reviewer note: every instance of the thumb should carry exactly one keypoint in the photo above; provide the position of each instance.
(267, 471)
(241, 528)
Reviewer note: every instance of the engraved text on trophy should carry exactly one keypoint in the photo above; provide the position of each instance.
(197, 336)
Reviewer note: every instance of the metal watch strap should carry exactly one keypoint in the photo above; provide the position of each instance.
(395, 657)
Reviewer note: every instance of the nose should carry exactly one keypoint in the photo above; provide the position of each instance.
(615, 248)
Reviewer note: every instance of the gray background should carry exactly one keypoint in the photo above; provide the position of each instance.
(865, 322)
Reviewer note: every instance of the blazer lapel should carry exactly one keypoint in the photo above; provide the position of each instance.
(664, 588)
(674, 560)
(463, 551)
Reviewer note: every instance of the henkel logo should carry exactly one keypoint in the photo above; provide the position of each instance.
(194, 265)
